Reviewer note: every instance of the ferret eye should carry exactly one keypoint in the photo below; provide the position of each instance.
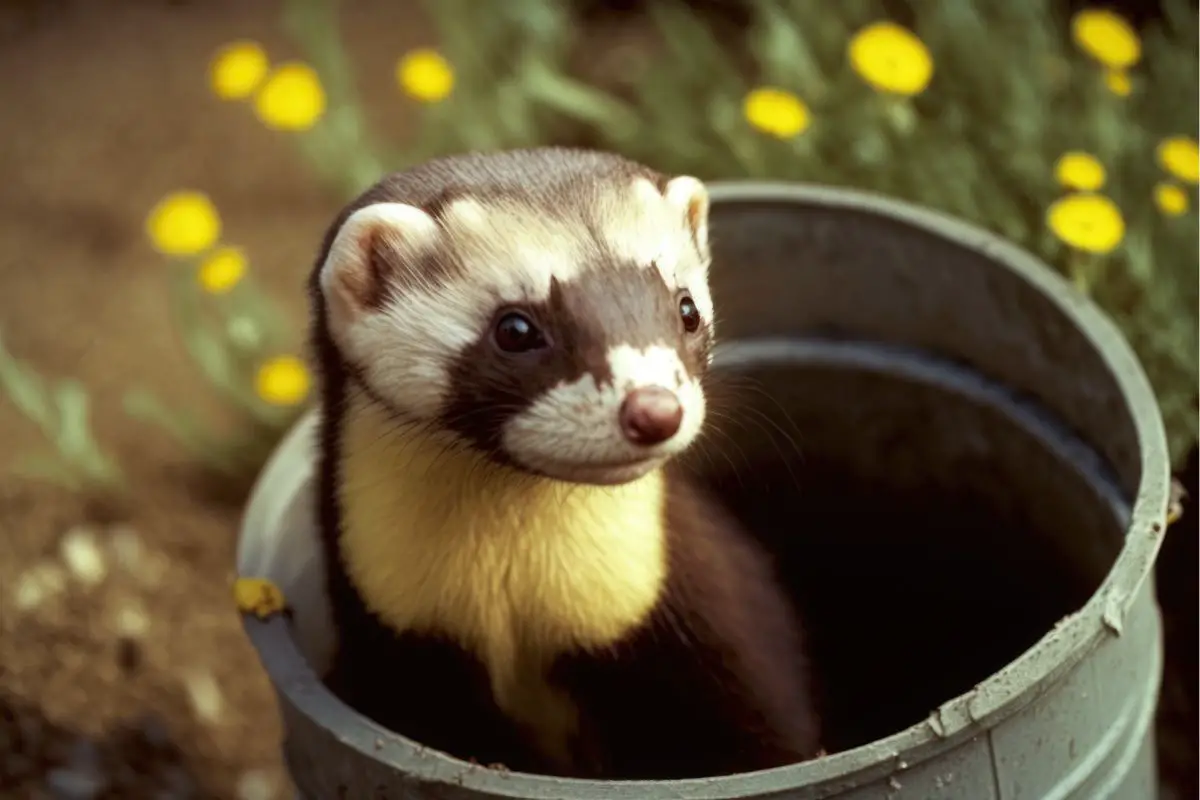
(689, 314)
(516, 333)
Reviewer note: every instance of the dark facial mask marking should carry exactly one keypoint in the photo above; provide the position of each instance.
(605, 306)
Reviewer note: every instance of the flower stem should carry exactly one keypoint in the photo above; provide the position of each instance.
(899, 113)
(1084, 269)
(314, 26)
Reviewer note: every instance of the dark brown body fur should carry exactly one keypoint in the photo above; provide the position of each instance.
(713, 683)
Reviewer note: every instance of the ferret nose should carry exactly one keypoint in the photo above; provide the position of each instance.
(650, 415)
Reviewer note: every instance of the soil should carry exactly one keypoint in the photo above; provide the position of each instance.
(138, 682)
(123, 668)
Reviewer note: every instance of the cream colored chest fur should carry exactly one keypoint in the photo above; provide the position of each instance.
(517, 570)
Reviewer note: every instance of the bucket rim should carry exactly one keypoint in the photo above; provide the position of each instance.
(1000, 695)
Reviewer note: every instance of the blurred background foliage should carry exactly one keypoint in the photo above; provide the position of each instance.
(1073, 134)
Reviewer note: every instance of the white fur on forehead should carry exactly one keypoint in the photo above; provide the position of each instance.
(513, 248)
(652, 227)
(518, 248)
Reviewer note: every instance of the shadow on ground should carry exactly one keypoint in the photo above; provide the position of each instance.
(137, 759)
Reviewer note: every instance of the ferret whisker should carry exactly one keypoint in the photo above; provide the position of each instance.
(768, 426)
(770, 422)
(708, 446)
(704, 453)
(754, 386)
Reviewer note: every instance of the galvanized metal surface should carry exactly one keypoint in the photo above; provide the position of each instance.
(1068, 718)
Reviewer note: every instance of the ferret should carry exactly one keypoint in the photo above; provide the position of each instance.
(511, 349)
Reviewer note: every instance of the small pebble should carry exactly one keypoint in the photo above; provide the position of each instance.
(205, 696)
(83, 556)
(127, 548)
(130, 619)
(255, 784)
(38, 584)
(133, 557)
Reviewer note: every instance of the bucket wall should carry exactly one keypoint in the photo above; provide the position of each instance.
(895, 354)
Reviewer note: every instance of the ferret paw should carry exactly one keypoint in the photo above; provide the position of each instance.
(258, 596)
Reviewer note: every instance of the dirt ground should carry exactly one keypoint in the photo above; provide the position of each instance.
(140, 662)
(123, 668)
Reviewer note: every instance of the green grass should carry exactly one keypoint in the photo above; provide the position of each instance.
(1010, 94)
(61, 410)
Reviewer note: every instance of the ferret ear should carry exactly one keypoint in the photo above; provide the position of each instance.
(371, 253)
(689, 197)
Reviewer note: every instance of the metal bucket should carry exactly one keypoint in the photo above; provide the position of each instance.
(962, 469)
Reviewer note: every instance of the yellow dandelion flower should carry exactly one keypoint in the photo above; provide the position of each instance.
(183, 223)
(425, 75)
(1170, 199)
(1179, 156)
(237, 70)
(282, 381)
(891, 59)
(292, 99)
(1106, 37)
(1079, 170)
(222, 270)
(1087, 221)
(1118, 82)
(777, 112)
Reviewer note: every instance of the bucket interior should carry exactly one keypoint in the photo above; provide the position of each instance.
(931, 525)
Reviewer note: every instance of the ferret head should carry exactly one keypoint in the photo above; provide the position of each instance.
(564, 332)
